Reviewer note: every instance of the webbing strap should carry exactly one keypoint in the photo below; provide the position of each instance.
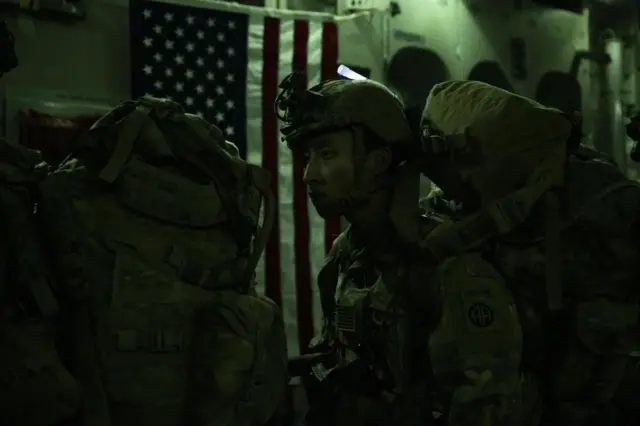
(130, 129)
(553, 252)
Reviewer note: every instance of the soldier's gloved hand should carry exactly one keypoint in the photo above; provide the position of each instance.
(476, 387)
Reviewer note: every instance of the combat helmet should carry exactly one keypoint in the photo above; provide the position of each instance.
(339, 104)
(353, 104)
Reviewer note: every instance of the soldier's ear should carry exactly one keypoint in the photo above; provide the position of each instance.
(379, 160)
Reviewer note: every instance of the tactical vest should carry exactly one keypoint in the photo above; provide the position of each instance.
(156, 246)
(377, 304)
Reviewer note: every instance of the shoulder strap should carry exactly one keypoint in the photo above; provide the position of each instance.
(328, 275)
(130, 130)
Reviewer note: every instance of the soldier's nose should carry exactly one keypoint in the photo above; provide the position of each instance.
(309, 174)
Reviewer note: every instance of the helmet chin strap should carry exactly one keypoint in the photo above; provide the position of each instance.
(363, 191)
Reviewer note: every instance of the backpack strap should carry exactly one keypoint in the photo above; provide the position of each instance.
(18, 177)
(328, 282)
(129, 131)
(553, 251)
(453, 238)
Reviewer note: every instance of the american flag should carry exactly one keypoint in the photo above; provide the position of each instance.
(224, 62)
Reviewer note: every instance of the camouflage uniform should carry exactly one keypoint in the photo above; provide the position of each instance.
(568, 255)
(35, 387)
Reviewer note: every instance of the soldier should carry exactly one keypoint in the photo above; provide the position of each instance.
(560, 222)
(380, 297)
(35, 387)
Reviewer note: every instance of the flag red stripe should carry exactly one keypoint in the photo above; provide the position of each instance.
(304, 302)
(270, 137)
(329, 69)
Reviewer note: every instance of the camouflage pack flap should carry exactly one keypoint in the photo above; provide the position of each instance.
(159, 131)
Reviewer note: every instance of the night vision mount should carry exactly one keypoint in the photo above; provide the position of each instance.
(295, 105)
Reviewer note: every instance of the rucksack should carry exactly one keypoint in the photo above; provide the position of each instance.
(597, 242)
(154, 229)
(35, 387)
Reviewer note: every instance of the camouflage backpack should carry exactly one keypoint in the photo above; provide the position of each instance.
(35, 387)
(154, 227)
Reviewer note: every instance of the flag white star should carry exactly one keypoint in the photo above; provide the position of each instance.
(220, 63)
(209, 102)
(210, 76)
(219, 117)
(188, 74)
(168, 72)
(146, 13)
(211, 22)
(200, 62)
(229, 131)
(220, 37)
(200, 114)
(179, 32)
(179, 59)
(157, 29)
(189, 47)
(147, 42)
(210, 50)
(230, 104)
(232, 25)
(188, 100)
(157, 57)
(219, 90)
(148, 69)
(179, 86)
(190, 20)
(200, 88)
(168, 17)
(231, 52)
(230, 78)
(158, 85)
(168, 44)
(200, 34)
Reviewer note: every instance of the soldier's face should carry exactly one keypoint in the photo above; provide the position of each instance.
(329, 172)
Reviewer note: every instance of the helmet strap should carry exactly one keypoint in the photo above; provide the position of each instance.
(363, 191)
